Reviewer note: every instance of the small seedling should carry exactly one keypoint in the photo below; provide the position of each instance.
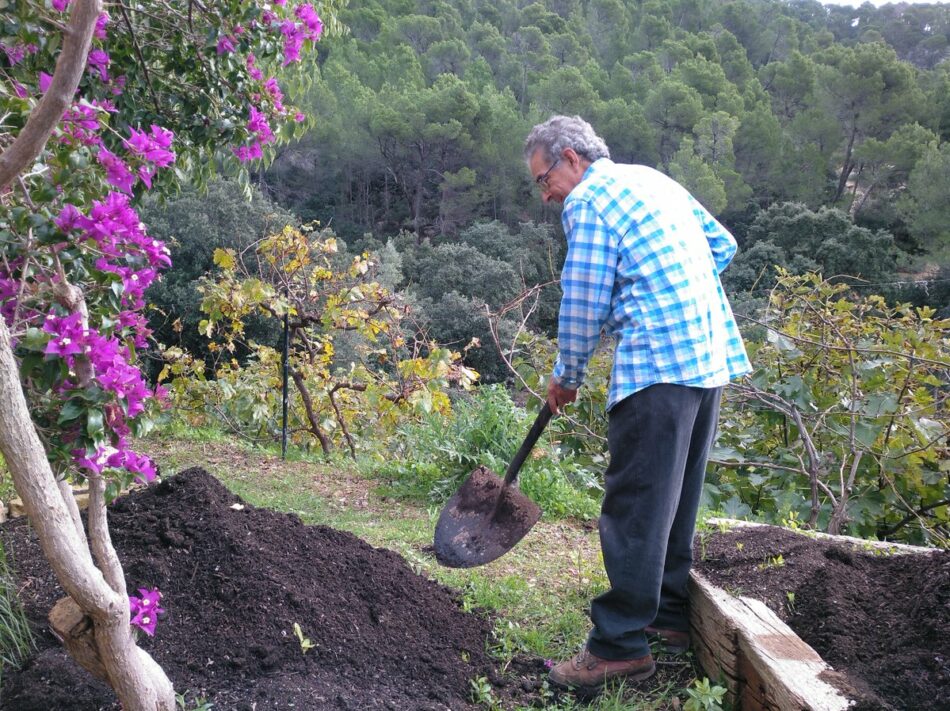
(740, 545)
(790, 596)
(704, 537)
(482, 692)
(305, 643)
(703, 696)
(775, 561)
(792, 522)
(199, 704)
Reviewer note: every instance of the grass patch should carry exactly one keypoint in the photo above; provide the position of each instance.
(16, 638)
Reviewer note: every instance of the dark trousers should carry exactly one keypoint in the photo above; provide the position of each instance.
(659, 440)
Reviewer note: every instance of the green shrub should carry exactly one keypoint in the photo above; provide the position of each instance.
(429, 460)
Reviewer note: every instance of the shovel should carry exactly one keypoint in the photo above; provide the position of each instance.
(487, 516)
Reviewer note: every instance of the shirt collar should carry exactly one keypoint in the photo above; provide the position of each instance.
(599, 166)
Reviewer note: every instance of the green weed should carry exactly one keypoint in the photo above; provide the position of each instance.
(16, 638)
(703, 696)
(199, 703)
(305, 644)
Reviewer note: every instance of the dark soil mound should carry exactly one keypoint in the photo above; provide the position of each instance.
(882, 620)
(235, 579)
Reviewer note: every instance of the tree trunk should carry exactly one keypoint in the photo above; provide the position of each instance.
(847, 165)
(137, 679)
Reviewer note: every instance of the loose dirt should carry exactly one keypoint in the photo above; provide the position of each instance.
(236, 578)
(881, 620)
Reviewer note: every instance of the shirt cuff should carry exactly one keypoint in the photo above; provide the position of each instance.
(562, 379)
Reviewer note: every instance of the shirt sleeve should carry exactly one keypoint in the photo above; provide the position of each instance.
(721, 243)
(587, 282)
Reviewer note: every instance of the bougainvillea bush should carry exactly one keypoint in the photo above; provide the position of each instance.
(99, 103)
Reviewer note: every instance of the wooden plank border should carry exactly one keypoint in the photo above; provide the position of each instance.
(757, 657)
(744, 646)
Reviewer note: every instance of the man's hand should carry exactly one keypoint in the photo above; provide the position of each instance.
(558, 396)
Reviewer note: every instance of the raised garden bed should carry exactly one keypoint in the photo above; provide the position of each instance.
(787, 620)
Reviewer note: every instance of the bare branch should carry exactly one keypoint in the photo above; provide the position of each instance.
(138, 54)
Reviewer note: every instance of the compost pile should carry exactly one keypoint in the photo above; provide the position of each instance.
(235, 579)
(881, 620)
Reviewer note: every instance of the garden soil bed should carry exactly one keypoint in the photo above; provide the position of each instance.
(880, 620)
(236, 578)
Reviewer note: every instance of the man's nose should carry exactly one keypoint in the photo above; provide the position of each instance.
(545, 196)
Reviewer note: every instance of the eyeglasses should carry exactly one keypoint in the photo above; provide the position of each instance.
(542, 180)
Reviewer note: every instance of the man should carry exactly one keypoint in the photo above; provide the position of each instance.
(643, 263)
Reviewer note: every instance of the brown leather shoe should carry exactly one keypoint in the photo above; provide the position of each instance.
(671, 641)
(588, 672)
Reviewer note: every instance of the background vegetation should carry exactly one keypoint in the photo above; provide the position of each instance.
(817, 134)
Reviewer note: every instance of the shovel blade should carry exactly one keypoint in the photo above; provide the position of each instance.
(482, 521)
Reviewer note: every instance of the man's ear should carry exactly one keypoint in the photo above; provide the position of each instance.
(571, 157)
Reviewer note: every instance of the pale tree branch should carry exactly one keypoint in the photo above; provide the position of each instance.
(99, 537)
(50, 109)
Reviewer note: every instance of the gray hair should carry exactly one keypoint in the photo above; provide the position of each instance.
(560, 132)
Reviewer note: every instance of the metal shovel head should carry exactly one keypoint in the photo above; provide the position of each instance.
(482, 521)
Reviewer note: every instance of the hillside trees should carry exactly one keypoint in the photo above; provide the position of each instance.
(804, 106)
(870, 92)
(800, 240)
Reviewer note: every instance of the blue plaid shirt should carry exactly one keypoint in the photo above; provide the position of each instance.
(643, 263)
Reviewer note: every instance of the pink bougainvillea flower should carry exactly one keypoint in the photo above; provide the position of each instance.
(81, 124)
(15, 54)
(145, 621)
(294, 36)
(99, 63)
(20, 90)
(91, 462)
(145, 610)
(225, 45)
(311, 19)
(68, 217)
(252, 67)
(67, 332)
(60, 5)
(248, 153)
(101, 23)
(258, 125)
(299, 116)
(150, 599)
(118, 85)
(117, 172)
(138, 464)
(45, 81)
(272, 88)
(152, 147)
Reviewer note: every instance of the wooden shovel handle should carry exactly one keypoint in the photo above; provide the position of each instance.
(540, 422)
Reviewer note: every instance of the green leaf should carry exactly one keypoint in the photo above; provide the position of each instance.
(72, 410)
(35, 339)
(95, 426)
